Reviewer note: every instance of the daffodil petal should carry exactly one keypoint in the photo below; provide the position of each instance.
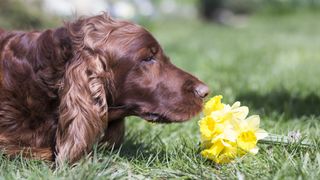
(217, 138)
(253, 121)
(230, 135)
(212, 105)
(261, 134)
(226, 107)
(241, 112)
(235, 123)
(225, 143)
(235, 105)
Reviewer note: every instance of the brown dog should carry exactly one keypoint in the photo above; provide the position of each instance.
(64, 89)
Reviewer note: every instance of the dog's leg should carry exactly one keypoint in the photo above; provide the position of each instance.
(10, 149)
(114, 134)
(15, 139)
(45, 154)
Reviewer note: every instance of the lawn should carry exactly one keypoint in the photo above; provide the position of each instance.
(271, 64)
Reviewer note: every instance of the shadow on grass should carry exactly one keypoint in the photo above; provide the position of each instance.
(138, 149)
(282, 102)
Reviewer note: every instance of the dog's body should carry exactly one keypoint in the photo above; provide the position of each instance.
(64, 89)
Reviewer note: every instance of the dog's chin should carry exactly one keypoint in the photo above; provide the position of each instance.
(152, 114)
(155, 117)
(158, 117)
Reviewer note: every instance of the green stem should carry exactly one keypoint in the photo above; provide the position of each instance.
(285, 140)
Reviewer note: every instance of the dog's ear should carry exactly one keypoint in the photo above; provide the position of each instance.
(62, 40)
(83, 96)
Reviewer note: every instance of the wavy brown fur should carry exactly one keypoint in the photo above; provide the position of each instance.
(64, 89)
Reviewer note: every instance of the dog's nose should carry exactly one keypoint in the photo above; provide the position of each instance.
(201, 90)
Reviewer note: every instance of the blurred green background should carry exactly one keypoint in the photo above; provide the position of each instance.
(264, 53)
(29, 14)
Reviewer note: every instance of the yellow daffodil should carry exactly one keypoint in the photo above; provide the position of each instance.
(221, 151)
(212, 130)
(249, 133)
(226, 132)
(213, 104)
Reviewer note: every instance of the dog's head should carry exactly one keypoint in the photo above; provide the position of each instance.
(126, 64)
(150, 86)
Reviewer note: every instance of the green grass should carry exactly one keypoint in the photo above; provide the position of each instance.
(271, 65)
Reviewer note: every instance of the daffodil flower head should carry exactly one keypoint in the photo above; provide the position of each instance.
(249, 133)
(227, 133)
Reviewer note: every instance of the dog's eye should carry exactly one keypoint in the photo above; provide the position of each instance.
(149, 59)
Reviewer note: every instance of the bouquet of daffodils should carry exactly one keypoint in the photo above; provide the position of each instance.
(227, 132)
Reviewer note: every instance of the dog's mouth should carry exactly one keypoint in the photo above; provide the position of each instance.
(167, 117)
(121, 111)
(154, 117)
